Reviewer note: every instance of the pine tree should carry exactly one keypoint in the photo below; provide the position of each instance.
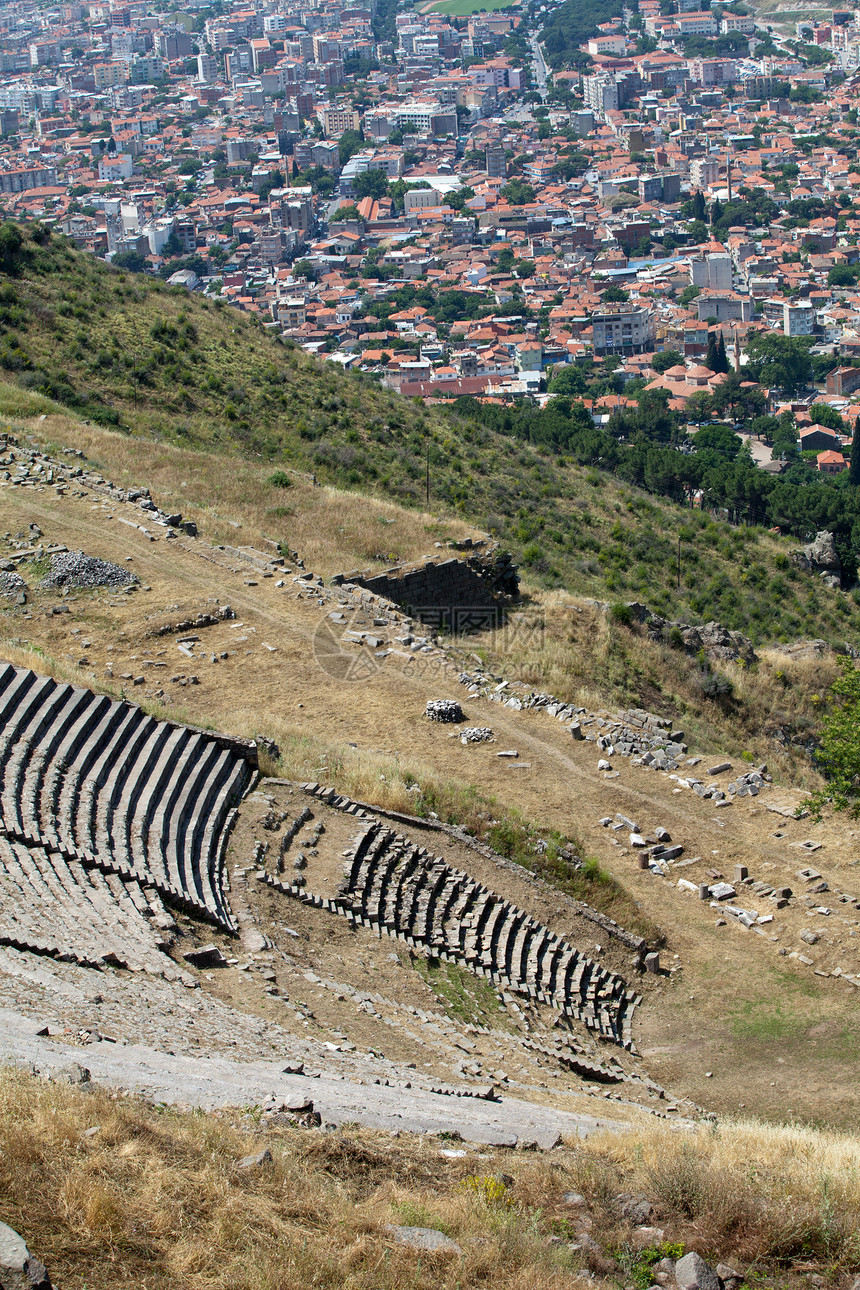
(711, 359)
(716, 211)
(698, 205)
(854, 461)
(722, 360)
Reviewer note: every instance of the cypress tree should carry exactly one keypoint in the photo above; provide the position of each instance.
(711, 359)
(722, 360)
(698, 205)
(716, 211)
(854, 461)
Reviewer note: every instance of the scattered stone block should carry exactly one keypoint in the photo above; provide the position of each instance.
(693, 1273)
(19, 1269)
(207, 956)
(720, 768)
(424, 1238)
(256, 1162)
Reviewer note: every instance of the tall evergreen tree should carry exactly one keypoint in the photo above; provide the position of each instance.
(722, 360)
(711, 359)
(716, 211)
(698, 205)
(854, 461)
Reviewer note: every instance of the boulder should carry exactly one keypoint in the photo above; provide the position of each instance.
(724, 646)
(424, 1238)
(19, 1269)
(636, 1209)
(693, 1273)
(71, 1074)
(821, 554)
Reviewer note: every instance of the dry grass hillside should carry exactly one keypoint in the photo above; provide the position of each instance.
(556, 641)
(763, 1012)
(124, 350)
(114, 1193)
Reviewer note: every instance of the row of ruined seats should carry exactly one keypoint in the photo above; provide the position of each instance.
(391, 883)
(101, 780)
(52, 905)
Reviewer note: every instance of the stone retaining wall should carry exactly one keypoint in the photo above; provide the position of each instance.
(459, 594)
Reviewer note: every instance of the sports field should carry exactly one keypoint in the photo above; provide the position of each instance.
(463, 8)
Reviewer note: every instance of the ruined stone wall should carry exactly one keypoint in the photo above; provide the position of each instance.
(460, 593)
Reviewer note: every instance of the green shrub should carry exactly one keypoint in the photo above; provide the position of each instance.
(280, 479)
(620, 613)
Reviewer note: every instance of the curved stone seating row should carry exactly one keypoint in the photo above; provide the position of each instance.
(392, 884)
(52, 905)
(102, 781)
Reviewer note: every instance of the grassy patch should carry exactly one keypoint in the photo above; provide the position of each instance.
(765, 1021)
(461, 8)
(465, 997)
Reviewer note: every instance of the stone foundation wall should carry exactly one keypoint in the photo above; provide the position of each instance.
(460, 594)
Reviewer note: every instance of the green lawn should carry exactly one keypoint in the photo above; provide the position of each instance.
(462, 8)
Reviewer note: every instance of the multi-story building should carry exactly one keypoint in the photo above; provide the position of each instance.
(20, 178)
(798, 318)
(106, 74)
(713, 71)
(335, 120)
(702, 23)
(497, 162)
(600, 93)
(704, 171)
(713, 272)
(172, 45)
(745, 23)
(622, 329)
(207, 68)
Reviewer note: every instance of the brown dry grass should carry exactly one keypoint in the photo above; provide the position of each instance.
(233, 500)
(154, 1199)
(768, 1194)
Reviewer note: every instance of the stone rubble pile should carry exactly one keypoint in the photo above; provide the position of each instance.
(647, 739)
(475, 734)
(712, 639)
(12, 585)
(447, 710)
(75, 569)
(750, 783)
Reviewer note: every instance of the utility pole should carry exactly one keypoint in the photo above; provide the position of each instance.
(428, 468)
(679, 562)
